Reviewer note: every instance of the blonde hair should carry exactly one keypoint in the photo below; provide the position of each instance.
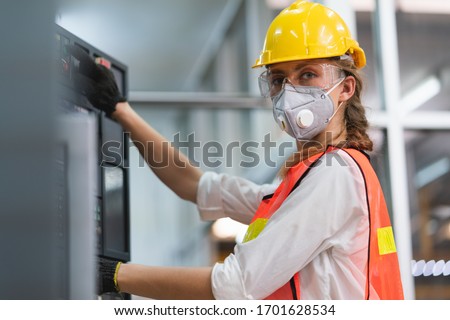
(356, 124)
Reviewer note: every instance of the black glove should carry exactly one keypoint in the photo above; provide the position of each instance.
(106, 274)
(96, 81)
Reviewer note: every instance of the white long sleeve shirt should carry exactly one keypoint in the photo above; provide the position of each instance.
(321, 230)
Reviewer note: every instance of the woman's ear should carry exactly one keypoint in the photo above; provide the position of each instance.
(348, 88)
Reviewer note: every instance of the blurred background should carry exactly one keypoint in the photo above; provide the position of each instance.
(188, 73)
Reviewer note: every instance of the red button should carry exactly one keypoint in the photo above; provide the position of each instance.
(104, 62)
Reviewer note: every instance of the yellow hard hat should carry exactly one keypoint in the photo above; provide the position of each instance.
(308, 30)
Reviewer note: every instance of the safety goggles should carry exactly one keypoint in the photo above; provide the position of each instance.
(307, 75)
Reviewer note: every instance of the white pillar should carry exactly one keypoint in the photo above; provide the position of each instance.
(387, 49)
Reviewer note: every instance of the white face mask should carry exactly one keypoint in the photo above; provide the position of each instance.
(303, 112)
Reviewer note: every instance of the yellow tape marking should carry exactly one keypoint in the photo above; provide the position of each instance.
(254, 229)
(386, 243)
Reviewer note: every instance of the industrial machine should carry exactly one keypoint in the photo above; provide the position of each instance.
(92, 164)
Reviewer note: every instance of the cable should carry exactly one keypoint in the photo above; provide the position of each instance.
(428, 268)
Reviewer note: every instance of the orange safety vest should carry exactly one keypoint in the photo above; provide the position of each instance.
(383, 273)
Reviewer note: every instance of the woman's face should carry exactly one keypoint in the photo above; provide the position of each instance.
(319, 73)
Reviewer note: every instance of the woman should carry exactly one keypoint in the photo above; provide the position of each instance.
(324, 232)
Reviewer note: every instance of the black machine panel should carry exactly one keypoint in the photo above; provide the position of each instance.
(112, 190)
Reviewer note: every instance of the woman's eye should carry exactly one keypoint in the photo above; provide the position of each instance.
(278, 81)
(308, 75)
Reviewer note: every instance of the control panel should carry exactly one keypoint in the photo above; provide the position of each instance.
(112, 183)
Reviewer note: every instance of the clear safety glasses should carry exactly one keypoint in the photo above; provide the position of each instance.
(271, 82)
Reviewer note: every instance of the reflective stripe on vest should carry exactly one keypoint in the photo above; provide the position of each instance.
(383, 275)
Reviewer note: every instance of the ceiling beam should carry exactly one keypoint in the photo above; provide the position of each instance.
(199, 100)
